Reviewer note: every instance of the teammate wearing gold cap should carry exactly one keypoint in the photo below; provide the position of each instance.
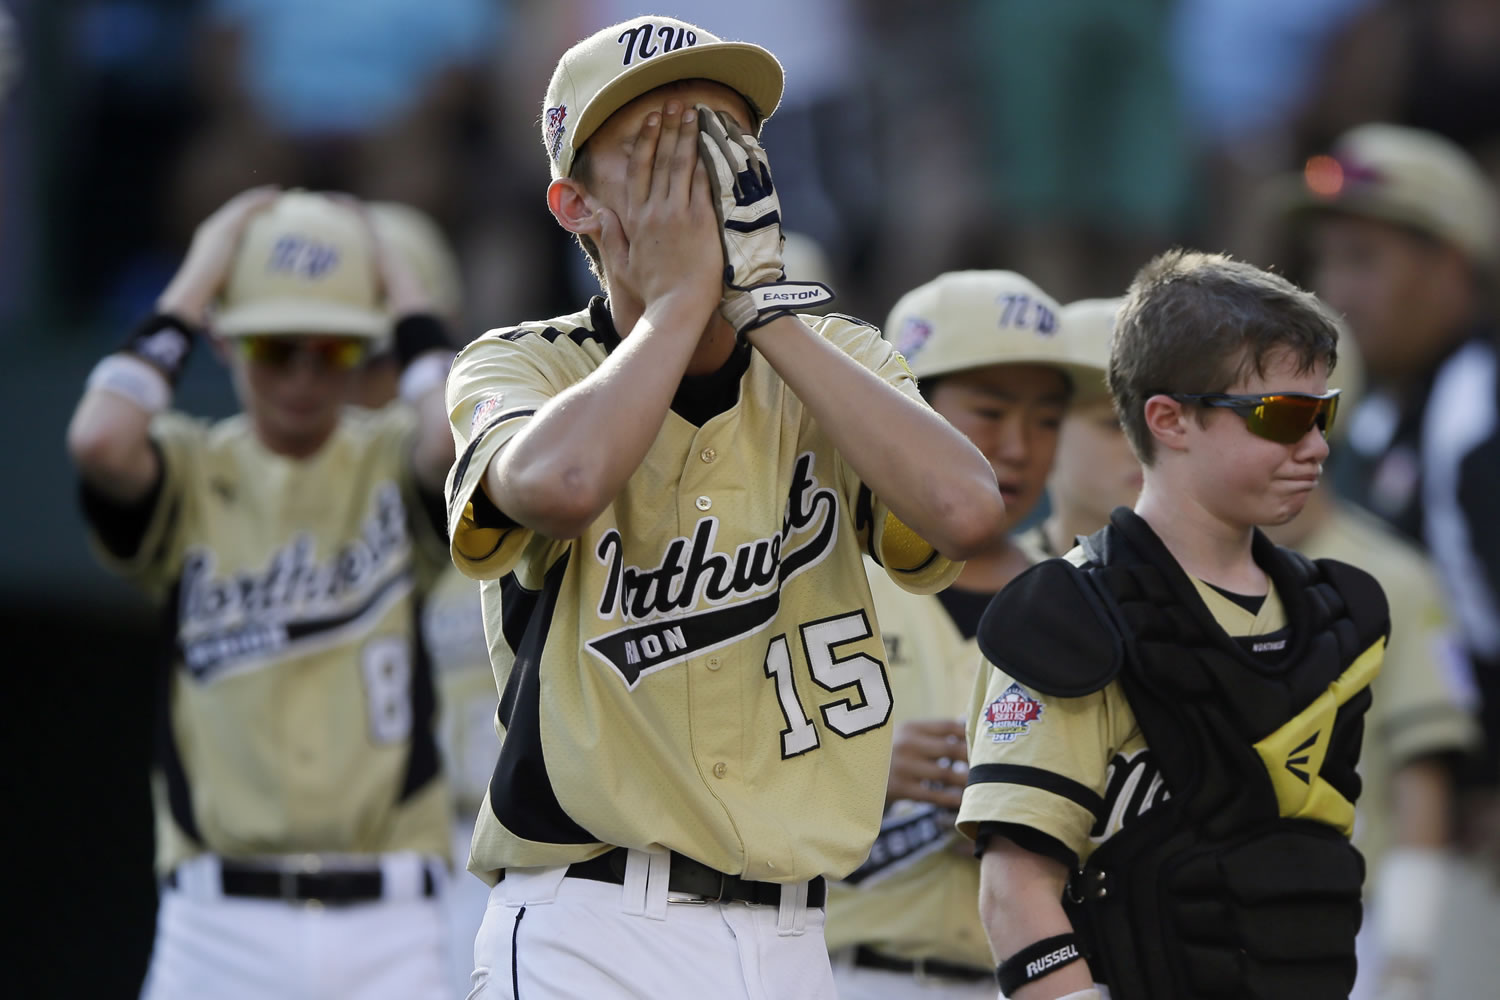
(302, 823)
(667, 496)
(993, 359)
(1094, 470)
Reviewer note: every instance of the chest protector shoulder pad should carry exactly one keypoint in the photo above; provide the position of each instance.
(1242, 883)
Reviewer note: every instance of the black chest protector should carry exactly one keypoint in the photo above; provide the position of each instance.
(1242, 883)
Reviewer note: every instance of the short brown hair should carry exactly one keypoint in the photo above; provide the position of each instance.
(1199, 322)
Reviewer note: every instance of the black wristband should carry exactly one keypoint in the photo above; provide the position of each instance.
(1035, 961)
(417, 334)
(164, 341)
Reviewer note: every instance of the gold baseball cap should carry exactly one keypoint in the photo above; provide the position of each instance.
(303, 266)
(614, 66)
(1090, 325)
(1404, 176)
(974, 319)
(419, 240)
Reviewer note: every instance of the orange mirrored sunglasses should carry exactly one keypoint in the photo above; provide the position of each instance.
(334, 353)
(1283, 417)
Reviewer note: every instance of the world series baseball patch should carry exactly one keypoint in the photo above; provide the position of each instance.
(1011, 715)
(556, 129)
(484, 410)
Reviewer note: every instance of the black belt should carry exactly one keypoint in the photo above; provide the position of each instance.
(693, 878)
(359, 885)
(922, 968)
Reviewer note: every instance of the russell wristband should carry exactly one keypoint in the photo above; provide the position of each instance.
(1035, 961)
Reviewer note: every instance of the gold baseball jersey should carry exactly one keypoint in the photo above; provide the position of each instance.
(300, 705)
(916, 896)
(453, 632)
(1094, 741)
(1415, 711)
(700, 670)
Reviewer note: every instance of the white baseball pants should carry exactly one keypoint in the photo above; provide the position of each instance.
(548, 937)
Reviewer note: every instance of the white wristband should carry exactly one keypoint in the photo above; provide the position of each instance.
(130, 378)
(1088, 994)
(1409, 897)
(431, 369)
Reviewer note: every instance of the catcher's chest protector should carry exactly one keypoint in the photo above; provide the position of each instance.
(1243, 882)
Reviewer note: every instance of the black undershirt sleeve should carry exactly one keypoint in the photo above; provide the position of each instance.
(486, 514)
(434, 509)
(1025, 838)
(122, 527)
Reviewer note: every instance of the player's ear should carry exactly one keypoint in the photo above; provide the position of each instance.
(573, 207)
(1167, 419)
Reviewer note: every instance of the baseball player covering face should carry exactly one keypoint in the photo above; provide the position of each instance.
(994, 361)
(1162, 755)
(668, 496)
(302, 824)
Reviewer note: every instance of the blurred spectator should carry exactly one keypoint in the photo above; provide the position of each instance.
(932, 213)
(10, 53)
(1085, 139)
(1453, 73)
(369, 96)
(1250, 73)
(115, 108)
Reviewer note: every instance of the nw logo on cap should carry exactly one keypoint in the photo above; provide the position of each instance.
(649, 39)
(1022, 312)
(302, 256)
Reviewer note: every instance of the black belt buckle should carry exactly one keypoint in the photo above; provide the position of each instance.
(698, 899)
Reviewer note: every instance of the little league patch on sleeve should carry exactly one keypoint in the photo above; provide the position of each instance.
(484, 409)
(1011, 714)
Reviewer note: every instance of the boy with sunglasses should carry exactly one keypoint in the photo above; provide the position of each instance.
(1162, 760)
(288, 546)
(993, 361)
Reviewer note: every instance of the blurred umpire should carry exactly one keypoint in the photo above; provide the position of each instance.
(1401, 228)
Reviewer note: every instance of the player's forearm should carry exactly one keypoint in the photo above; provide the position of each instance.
(929, 474)
(1421, 799)
(560, 473)
(110, 444)
(1020, 903)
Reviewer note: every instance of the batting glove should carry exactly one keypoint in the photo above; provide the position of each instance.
(755, 287)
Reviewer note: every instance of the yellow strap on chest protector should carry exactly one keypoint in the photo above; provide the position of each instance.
(1293, 755)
